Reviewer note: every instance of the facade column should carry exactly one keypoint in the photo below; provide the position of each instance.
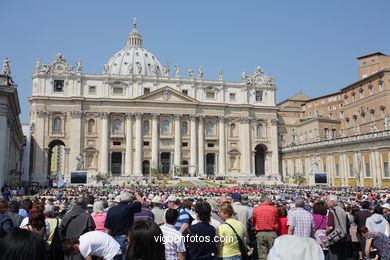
(75, 140)
(104, 151)
(193, 151)
(222, 145)
(41, 130)
(273, 136)
(177, 153)
(138, 145)
(245, 147)
(155, 141)
(129, 144)
(201, 154)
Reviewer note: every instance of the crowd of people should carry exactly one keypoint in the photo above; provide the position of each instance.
(148, 222)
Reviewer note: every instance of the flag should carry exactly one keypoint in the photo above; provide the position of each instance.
(60, 180)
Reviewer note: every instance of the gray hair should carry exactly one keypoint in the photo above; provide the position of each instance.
(299, 203)
(265, 197)
(98, 207)
(49, 211)
(333, 198)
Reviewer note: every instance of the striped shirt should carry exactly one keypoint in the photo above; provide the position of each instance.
(174, 242)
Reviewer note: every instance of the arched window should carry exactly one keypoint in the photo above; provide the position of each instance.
(210, 128)
(233, 130)
(184, 128)
(91, 126)
(57, 125)
(116, 126)
(146, 127)
(260, 130)
(165, 127)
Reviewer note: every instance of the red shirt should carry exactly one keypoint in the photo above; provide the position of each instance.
(282, 227)
(265, 217)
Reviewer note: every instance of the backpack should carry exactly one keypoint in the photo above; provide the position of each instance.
(3, 233)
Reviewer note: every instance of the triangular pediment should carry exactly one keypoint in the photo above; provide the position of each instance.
(167, 94)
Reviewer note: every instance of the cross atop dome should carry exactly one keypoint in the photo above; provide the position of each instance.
(134, 39)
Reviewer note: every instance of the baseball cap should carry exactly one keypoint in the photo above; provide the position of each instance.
(157, 199)
(172, 198)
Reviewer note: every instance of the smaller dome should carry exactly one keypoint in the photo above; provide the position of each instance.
(133, 59)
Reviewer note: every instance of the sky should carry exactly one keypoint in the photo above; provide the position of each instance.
(306, 45)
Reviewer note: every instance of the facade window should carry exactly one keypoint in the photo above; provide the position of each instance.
(184, 128)
(259, 95)
(146, 127)
(337, 170)
(146, 91)
(165, 127)
(351, 171)
(210, 95)
(386, 172)
(326, 132)
(210, 128)
(57, 125)
(58, 86)
(324, 167)
(92, 90)
(232, 96)
(117, 90)
(184, 91)
(334, 133)
(342, 114)
(116, 126)
(233, 130)
(91, 126)
(146, 143)
(184, 144)
(116, 143)
(368, 172)
(210, 145)
(260, 130)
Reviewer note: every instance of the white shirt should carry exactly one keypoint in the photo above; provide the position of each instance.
(97, 243)
(174, 242)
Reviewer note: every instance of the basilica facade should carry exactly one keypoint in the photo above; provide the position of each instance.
(139, 118)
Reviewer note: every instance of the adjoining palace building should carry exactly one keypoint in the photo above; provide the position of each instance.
(139, 118)
(345, 134)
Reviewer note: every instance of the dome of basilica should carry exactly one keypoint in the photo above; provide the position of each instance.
(133, 59)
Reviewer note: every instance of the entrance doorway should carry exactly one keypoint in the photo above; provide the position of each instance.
(185, 168)
(165, 162)
(145, 168)
(116, 163)
(56, 159)
(210, 164)
(259, 160)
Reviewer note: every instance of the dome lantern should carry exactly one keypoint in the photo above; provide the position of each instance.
(134, 39)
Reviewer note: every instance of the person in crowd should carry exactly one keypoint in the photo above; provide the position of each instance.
(6, 224)
(25, 207)
(157, 211)
(240, 210)
(145, 214)
(300, 222)
(376, 222)
(265, 220)
(143, 244)
(187, 205)
(376, 240)
(244, 201)
(52, 219)
(93, 243)
(6, 193)
(337, 251)
(173, 239)
(282, 220)
(184, 218)
(36, 223)
(76, 222)
(99, 217)
(294, 247)
(360, 219)
(199, 250)
(228, 248)
(121, 217)
(13, 213)
(386, 211)
(90, 203)
(320, 224)
(22, 244)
